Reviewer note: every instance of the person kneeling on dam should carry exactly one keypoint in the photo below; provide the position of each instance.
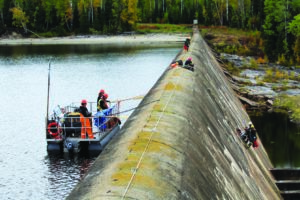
(189, 64)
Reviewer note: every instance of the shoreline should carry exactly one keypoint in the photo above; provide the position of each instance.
(103, 39)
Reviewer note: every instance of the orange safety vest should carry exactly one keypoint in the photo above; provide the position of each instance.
(86, 127)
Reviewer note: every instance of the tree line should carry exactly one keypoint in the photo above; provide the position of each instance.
(278, 20)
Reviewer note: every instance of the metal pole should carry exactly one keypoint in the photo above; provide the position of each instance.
(47, 115)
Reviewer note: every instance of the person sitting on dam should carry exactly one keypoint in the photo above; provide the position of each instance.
(189, 64)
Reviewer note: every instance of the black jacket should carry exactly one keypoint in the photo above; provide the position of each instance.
(189, 62)
(84, 111)
(103, 104)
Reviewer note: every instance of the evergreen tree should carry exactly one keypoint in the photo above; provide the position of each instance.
(19, 18)
(2, 24)
(274, 28)
(294, 28)
(75, 20)
(129, 14)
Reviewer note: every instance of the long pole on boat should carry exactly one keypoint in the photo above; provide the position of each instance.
(47, 115)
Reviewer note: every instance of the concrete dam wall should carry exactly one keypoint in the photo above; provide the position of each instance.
(181, 143)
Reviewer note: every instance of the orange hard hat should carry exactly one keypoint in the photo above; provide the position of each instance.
(101, 91)
(83, 101)
(105, 96)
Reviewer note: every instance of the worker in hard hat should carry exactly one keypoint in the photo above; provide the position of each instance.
(83, 109)
(86, 127)
(103, 102)
(189, 64)
(101, 92)
(251, 132)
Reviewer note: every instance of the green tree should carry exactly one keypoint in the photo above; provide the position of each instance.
(1, 15)
(83, 7)
(115, 15)
(50, 16)
(129, 14)
(63, 13)
(19, 18)
(220, 7)
(294, 28)
(256, 17)
(275, 28)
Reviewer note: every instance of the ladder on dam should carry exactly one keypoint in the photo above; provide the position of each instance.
(288, 182)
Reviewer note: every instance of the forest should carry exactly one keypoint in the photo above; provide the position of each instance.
(277, 20)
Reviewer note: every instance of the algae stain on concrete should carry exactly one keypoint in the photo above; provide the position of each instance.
(157, 107)
(143, 176)
(172, 86)
(141, 180)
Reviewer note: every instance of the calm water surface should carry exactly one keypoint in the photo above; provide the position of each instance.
(26, 170)
(280, 137)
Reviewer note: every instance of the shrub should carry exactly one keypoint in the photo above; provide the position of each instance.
(260, 61)
(253, 64)
(291, 103)
(233, 69)
(48, 34)
(282, 60)
(292, 75)
(260, 83)
(93, 31)
(268, 76)
(278, 75)
(266, 58)
(298, 59)
(275, 88)
(291, 62)
(261, 43)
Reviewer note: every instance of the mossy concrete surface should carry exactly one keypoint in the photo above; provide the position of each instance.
(181, 143)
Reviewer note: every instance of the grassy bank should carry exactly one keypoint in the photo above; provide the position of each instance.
(234, 41)
(164, 28)
(290, 103)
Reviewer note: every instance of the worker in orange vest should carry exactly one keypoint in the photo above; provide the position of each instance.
(86, 127)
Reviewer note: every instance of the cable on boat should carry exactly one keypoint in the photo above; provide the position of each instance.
(137, 107)
(131, 98)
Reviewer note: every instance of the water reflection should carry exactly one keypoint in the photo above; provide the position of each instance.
(280, 137)
(60, 50)
(66, 171)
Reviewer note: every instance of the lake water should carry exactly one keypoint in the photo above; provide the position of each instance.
(77, 72)
(280, 137)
